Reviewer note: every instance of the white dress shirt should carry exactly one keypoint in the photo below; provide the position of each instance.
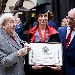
(72, 35)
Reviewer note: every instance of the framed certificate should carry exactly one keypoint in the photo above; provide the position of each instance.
(46, 53)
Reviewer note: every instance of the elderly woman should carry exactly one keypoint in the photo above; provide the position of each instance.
(11, 51)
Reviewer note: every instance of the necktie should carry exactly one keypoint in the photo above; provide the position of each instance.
(13, 38)
(68, 38)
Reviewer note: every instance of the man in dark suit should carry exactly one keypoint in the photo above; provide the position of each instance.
(67, 37)
(19, 29)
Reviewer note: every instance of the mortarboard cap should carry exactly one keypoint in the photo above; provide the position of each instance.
(40, 9)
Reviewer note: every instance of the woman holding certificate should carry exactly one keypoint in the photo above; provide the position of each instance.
(43, 33)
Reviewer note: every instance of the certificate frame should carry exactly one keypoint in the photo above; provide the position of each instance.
(46, 53)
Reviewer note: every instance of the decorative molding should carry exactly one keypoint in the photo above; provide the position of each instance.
(34, 2)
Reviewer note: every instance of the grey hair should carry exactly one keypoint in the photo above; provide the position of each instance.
(72, 10)
(5, 16)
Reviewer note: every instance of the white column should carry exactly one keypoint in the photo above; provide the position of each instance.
(9, 3)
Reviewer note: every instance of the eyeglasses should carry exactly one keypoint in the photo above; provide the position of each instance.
(73, 19)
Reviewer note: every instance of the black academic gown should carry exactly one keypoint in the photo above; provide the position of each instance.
(44, 71)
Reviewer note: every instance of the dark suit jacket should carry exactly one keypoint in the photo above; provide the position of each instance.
(69, 53)
(19, 30)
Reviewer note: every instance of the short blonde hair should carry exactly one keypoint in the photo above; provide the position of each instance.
(5, 16)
